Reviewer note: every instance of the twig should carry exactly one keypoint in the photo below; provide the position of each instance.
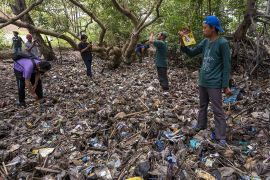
(129, 164)
(144, 105)
(47, 170)
(135, 113)
(3, 163)
(245, 110)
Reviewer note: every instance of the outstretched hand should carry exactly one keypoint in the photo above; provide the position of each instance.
(181, 34)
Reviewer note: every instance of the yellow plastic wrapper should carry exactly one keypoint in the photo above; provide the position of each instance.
(44, 152)
(135, 178)
(204, 175)
(188, 37)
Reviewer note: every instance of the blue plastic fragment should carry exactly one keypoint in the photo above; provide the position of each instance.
(232, 98)
(194, 143)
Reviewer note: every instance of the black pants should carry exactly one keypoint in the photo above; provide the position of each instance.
(215, 97)
(163, 77)
(88, 63)
(21, 86)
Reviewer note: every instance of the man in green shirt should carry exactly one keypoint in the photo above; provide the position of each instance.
(214, 75)
(161, 58)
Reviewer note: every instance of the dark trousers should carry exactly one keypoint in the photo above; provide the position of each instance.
(21, 86)
(140, 56)
(215, 97)
(163, 77)
(88, 63)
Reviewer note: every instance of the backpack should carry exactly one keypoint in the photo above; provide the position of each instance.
(21, 55)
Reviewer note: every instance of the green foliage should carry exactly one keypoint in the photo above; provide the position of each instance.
(2, 39)
(62, 16)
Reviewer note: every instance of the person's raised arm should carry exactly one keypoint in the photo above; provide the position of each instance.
(151, 38)
(191, 52)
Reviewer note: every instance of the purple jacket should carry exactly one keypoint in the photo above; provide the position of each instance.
(25, 66)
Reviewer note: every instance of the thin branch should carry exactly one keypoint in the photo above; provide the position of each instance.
(73, 35)
(146, 16)
(126, 12)
(13, 19)
(153, 20)
(94, 17)
(42, 31)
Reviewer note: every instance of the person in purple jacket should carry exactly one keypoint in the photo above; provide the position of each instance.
(27, 72)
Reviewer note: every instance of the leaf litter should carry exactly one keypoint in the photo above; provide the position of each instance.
(121, 125)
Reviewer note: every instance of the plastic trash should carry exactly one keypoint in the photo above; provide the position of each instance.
(204, 175)
(44, 152)
(171, 158)
(85, 159)
(142, 169)
(135, 178)
(233, 98)
(115, 161)
(89, 170)
(94, 143)
(103, 173)
(173, 136)
(194, 143)
(159, 145)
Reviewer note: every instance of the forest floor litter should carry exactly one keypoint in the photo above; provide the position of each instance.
(121, 125)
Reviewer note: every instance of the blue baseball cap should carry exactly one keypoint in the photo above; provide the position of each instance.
(213, 21)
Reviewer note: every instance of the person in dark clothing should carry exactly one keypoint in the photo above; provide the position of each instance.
(16, 43)
(27, 72)
(214, 75)
(141, 50)
(161, 58)
(85, 49)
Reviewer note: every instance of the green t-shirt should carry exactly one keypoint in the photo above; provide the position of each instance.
(161, 53)
(216, 64)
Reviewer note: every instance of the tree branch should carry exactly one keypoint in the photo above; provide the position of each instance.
(42, 31)
(94, 17)
(13, 19)
(153, 20)
(146, 16)
(126, 12)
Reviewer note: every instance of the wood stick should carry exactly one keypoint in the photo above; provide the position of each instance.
(136, 113)
(47, 170)
(129, 164)
(144, 104)
(3, 163)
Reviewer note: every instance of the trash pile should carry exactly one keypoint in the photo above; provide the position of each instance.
(122, 126)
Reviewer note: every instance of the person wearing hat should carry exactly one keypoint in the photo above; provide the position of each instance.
(161, 58)
(28, 74)
(31, 46)
(16, 43)
(214, 75)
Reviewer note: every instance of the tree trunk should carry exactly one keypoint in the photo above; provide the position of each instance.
(47, 52)
(268, 8)
(130, 47)
(209, 7)
(241, 31)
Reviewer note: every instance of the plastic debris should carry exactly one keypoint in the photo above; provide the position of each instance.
(194, 144)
